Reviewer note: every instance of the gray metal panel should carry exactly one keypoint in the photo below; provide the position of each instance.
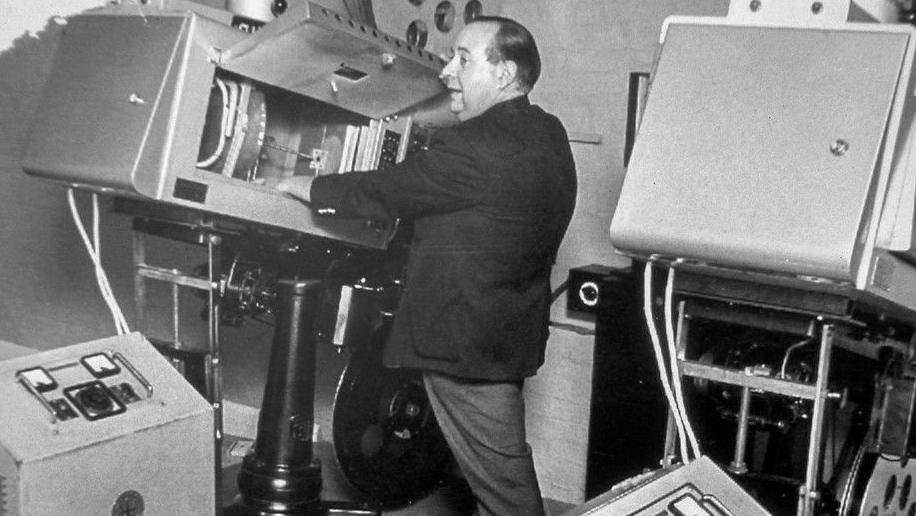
(87, 129)
(733, 163)
(266, 205)
(301, 50)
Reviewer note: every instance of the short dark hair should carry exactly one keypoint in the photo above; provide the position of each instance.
(513, 42)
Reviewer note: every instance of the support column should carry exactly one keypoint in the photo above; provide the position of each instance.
(281, 476)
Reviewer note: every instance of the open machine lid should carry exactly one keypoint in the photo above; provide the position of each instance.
(759, 148)
(319, 53)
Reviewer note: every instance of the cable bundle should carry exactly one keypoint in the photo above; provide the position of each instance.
(94, 248)
(670, 375)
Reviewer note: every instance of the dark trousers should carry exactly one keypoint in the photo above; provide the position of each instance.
(484, 425)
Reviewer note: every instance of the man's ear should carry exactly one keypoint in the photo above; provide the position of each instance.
(507, 73)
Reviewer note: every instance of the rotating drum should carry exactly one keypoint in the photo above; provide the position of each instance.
(386, 438)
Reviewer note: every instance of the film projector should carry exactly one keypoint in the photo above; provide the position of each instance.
(772, 179)
(192, 121)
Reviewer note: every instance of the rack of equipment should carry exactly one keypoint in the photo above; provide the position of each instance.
(781, 197)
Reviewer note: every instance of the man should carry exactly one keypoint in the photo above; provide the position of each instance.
(490, 200)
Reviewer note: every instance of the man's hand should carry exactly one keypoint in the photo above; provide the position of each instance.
(299, 187)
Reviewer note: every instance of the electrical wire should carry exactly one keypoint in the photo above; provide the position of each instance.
(93, 247)
(101, 276)
(660, 360)
(224, 122)
(674, 367)
(785, 359)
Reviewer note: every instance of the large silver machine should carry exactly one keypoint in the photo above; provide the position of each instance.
(773, 174)
(189, 115)
(169, 102)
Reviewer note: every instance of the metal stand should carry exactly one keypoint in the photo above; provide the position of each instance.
(281, 476)
(213, 370)
(817, 392)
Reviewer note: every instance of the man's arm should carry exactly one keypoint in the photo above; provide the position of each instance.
(446, 177)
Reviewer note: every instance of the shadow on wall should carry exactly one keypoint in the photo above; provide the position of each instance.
(50, 295)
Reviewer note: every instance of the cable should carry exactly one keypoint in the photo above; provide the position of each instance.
(101, 277)
(785, 359)
(557, 292)
(659, 358)
(224, 122)
(675, 368)
(93, 248)
(96, 246)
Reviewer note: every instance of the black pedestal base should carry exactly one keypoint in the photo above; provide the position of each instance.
(269, 489)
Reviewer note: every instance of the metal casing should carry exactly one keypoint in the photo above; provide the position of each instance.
(161, 447)
(699, 487)
(304, 50)
(770, 149)
(125, 107)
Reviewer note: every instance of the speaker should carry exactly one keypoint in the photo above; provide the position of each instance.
(103, 427)
(700, 488)
(628, 410)
(584, 285)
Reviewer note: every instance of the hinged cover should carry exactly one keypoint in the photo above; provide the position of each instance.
(321, 54)
(762, 148)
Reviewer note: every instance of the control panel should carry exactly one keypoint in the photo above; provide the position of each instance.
(93, 386)
(103, 424)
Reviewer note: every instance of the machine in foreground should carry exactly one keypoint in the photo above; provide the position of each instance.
(189, 121)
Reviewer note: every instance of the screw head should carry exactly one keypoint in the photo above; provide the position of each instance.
(839, 147)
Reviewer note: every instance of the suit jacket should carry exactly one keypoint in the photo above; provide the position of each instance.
(490, 200)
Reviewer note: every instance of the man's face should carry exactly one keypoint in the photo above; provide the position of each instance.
(473, 82)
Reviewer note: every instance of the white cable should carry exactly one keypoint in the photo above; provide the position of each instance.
(98, 256)
(233, 108)
(785, 358)
(675, 368)
(224, 121)
(101, 278)
(660, 360)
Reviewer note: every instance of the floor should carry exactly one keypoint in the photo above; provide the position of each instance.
(245, 356)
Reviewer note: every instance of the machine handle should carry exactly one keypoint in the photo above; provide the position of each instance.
(41, 399)
(133, 370)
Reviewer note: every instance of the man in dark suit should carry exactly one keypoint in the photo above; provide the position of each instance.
(490, 200)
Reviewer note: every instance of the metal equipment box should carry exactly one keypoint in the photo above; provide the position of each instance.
(103, 427)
